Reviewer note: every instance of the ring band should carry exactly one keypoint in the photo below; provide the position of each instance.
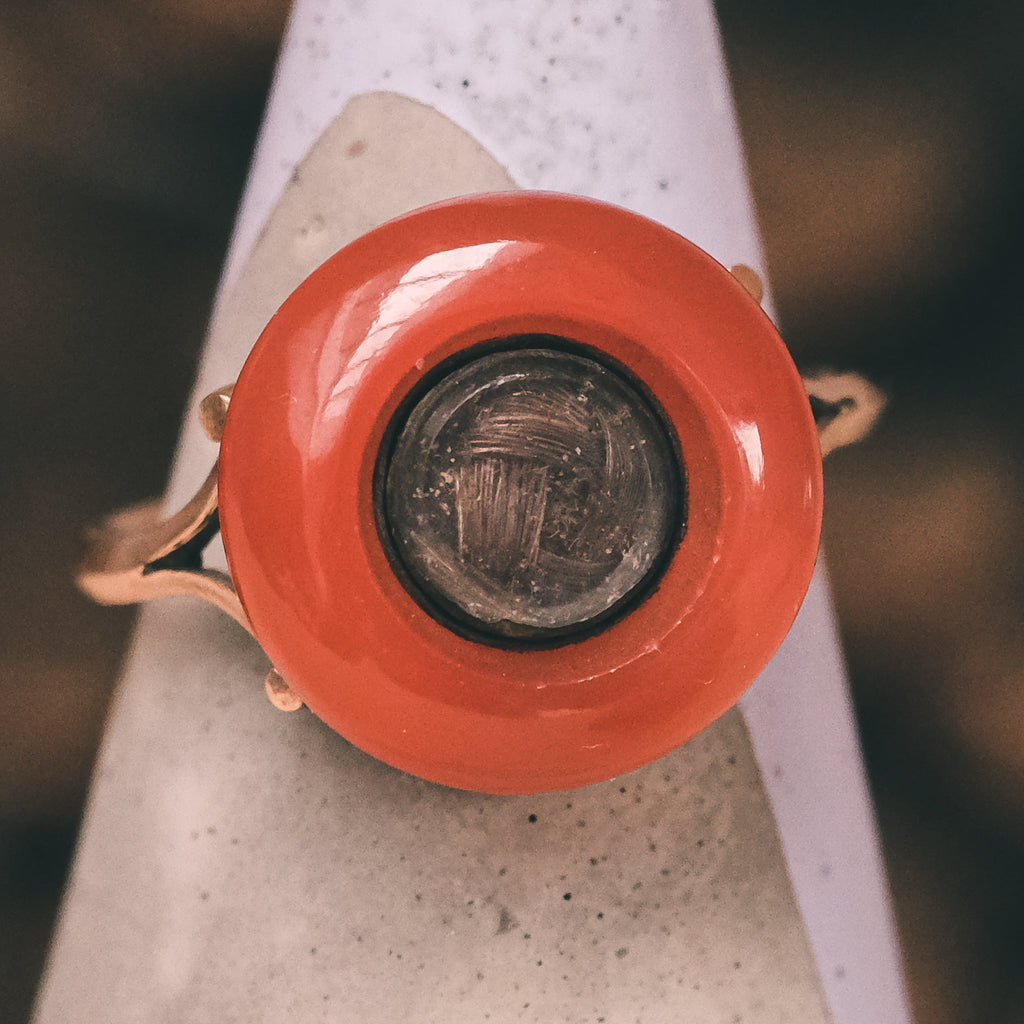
(364, 633)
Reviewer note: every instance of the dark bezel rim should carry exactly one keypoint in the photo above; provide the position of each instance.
(446, 612)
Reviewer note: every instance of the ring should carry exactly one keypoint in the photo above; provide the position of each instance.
(518, 492)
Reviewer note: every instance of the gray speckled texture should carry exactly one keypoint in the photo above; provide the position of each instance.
(243, 865)
(623, 101)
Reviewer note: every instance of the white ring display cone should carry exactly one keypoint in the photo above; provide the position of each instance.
(238, 864)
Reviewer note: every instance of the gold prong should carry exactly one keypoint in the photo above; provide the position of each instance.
(281, 695)
(750, 279)
(213, 412)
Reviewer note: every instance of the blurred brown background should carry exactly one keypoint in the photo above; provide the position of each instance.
(886, 150)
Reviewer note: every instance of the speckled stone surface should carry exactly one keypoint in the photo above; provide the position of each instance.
(244, 865)
(237, 864)
(623, 101)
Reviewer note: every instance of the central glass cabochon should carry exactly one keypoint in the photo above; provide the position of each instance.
(531, 495)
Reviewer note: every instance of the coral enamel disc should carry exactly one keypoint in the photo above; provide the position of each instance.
(520, 491)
